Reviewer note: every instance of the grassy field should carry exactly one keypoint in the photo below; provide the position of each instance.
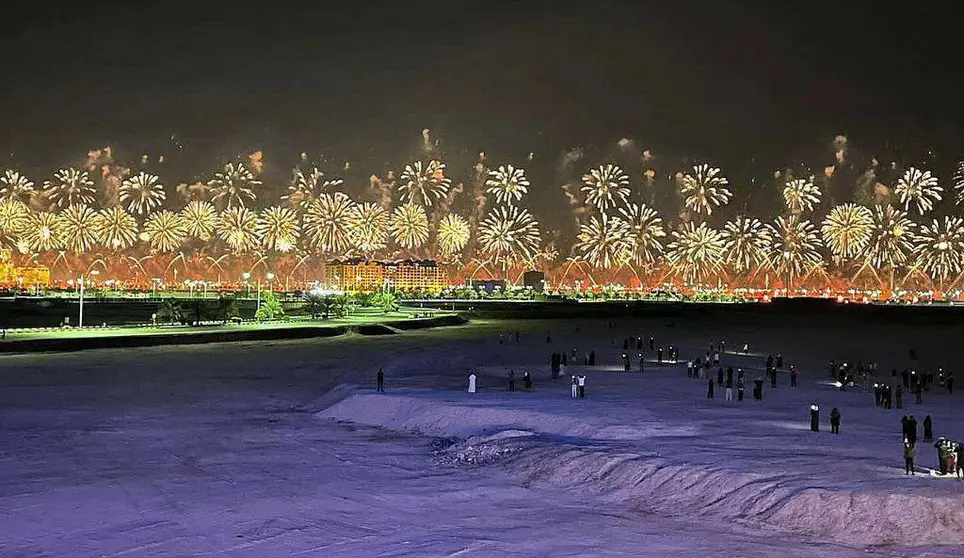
(360, 316)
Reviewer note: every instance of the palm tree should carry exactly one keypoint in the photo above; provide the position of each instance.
(169, 311)
(227, 307)
(270, 308)
(194, 311)
(314, 304)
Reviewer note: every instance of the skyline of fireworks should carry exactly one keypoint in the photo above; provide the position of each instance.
(633, 221)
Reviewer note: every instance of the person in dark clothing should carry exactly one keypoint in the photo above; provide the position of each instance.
(814, 418)
(912, 429)
(878, 395)
(888, 396)
(909, 451)
(918, 394)
(626, 362)
(639, 343)
(380, 381)
(835, 421)
(709, 389)
(960, 460)
(928, 429)
(773, 377)
(511, 380)
(739, 389)
(758, 389)
(793, 375)
(719, 376)
(769, 362)
(527, 381)
(729, 376)
(652, 343)
(592, 358)
(905, 378)
(780, 362)
(833, 369)
(722, 347)
(941, 447)
(899, 397)
(950, 382)
(659, 355)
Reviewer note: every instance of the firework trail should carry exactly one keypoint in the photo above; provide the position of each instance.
(278, 228)
(16, 186)
(646, 230)
(801, 195)
(606, 186)
(238, 228)
(453, 235)
(328, 222)
(369, 227)
(507, 183)
(940, 248)
(142, 193)
(510, 234)
(892, 238)
(164, 231)
(920, 188)
(424, 183)
(696, 251)
(116, 229)
(846, 230)
(705, 189)
(77, 228)
(747, 244)
(233, 186)
(604, 242)
(409, 226)
(70, 187)
(199, 219)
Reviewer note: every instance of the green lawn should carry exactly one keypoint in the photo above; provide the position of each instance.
(359, 317)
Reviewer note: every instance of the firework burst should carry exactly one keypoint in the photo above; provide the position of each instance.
(920, 188)
(238, 228)
(328, 222)
(795, 244)
(801, 195)
(705, 189)
(14, 216)
(846, 230)
(41, 233)
(958, 179)
(306, 187)
(14, 185)
(116, 229)
(409, 226)
(453, 234)
(507, 183)
(164, 231)
(234, 186)
(142, 193)
(77, 228)
(747, 243)
(278, 228)
(70, 187)
(604, 242)
(510, 234)
(199, 219)
(369, 227)
(424, 184)
(940, 248)
(605, 186)
(696, 251)
(892, 237)
(646, 230)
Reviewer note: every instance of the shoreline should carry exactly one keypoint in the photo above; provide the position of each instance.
(226, 335)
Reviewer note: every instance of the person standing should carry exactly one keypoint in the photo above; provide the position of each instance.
(758, 389)
(472, 378)
(659, 356)
(814, 418)
(928, 429)
(918, 393)
(709, 389)
(511, 380)
(575, 387)
(941, 448)
(527, 381)
(912, 429)
(909, 451)
(960, 460)
(899, 397)
(652, 343)
(582, 385)
(729, 376)
(834, 421)
(950, 382)
(739, 389)
(689, 369)
(719, 376)
(904, 427)
(728, 392)
(793, 375)
(780, 362)
(592, 357)
(380, 381)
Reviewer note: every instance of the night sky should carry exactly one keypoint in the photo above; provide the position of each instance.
(722, 81)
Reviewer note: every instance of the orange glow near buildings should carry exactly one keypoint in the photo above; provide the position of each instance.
(359, 275)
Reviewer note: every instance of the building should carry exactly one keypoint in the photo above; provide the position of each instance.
(536, 280)
(22, 277)
(357, 275)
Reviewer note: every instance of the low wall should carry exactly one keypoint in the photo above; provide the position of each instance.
(424, 323)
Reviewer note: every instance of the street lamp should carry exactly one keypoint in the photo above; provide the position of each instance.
(246, 276)
(80, 318)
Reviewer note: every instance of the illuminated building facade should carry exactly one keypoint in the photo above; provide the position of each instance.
(23, 277)
(357, 275)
